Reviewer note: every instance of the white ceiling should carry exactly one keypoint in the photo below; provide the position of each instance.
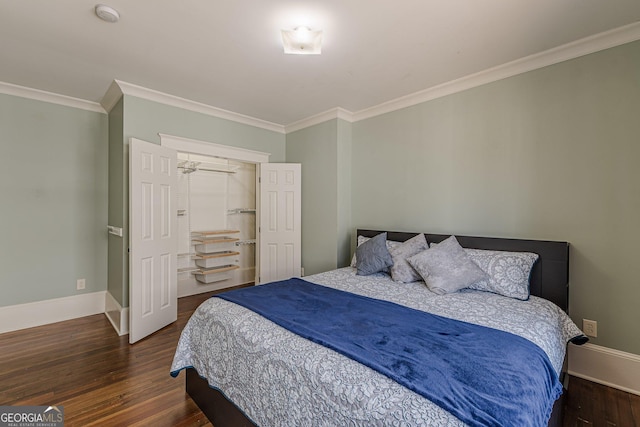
(228, 54)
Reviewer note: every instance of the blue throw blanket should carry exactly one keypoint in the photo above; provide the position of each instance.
(483, 376)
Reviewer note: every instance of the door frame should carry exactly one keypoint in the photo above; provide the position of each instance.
(193, 146)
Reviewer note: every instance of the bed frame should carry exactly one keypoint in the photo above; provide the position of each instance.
(549, 280)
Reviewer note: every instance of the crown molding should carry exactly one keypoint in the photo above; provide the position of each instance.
(53, 98)
(111, 96)
(117, 89)
(334, 113)
(187, 104)
(585, 46)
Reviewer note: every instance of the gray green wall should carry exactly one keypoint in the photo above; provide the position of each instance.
(344, 160)
(53, 186)
(324, 150)
(550, 154)
(144, 119)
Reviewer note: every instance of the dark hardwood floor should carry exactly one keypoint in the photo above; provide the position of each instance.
(100, 379)
(591, 404)
(96, 375)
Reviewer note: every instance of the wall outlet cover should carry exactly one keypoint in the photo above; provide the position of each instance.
(590, 327)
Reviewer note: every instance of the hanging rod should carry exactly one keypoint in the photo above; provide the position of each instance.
(190, 167)
(240, 210)
(246, 242)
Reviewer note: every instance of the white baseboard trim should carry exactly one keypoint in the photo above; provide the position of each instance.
(118, 316)
(29, 315)
(606, 366)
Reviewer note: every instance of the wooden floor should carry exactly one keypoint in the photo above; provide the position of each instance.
(100, 379)
(97, 376)
(591, 404)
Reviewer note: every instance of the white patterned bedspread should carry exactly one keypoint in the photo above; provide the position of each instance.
(280, 379)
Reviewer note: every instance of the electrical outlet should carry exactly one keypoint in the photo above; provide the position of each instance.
(590, 327)
(80, 284)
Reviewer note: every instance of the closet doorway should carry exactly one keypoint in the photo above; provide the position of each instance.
(216, 223)
(191, 223)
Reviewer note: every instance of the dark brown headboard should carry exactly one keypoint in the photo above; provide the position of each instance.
(550, 274)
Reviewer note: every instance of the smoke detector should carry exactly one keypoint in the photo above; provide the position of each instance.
(107, 13)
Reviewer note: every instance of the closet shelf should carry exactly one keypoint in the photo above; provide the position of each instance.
(216, 254)
(213, 233)
(213, 240)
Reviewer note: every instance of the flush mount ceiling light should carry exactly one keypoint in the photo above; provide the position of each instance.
(302, 41)
(107, 13)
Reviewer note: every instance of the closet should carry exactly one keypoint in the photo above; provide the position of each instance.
(216, 206)
(203, 217)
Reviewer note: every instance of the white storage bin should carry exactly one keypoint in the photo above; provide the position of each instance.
(211, 278)
(218, 244)
(217, 259)
(214, 240)
(214, 274)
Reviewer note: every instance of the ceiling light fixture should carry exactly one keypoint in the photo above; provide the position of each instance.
(302, 41)
(107, 13)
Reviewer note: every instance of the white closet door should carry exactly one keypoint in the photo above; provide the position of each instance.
(153, 243)
(279, 236)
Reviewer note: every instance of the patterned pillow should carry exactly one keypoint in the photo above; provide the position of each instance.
(373, 256)
(446, 267)
(508, 272)
(401, 271)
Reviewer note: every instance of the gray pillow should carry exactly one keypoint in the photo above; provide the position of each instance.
(361, 239)
(373, 256)
(446, 267)
(508, 272)
(401, 271)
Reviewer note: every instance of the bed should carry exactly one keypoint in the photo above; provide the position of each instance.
(243, 370)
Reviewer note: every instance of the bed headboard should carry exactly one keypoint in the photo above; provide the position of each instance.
(550, 274)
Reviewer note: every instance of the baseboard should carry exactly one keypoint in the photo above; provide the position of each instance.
(118, 316)
(606, 366)
(29, 315)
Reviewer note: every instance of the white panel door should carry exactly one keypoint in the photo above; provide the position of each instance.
(153, 242)
(279, 223)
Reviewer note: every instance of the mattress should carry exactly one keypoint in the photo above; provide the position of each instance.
(278, 378)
